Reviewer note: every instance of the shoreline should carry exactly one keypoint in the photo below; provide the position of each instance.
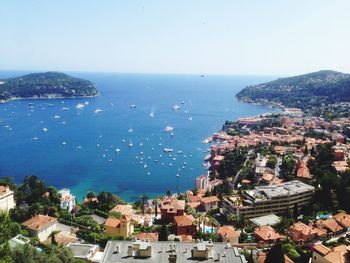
(48, 98)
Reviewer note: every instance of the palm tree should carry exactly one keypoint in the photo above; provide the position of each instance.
(53, 237)
(144, 198)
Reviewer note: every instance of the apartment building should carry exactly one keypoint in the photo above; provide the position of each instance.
(263, 200)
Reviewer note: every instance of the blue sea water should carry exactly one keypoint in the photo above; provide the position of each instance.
(78, 149)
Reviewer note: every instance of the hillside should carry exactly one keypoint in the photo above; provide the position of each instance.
(46, 85)
(302, 91)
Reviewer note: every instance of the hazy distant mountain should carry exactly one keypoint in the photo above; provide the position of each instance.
(302, 91)
(46, 85)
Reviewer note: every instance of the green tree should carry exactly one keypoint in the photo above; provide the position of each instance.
(275, 254)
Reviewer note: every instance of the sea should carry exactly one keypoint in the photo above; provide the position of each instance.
(103, 144)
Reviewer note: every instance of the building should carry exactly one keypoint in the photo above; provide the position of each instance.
(201, 182)
(267, 234)
(171, 207)
(228, 234)
(119, 227)
(7, 201)
(67, 199)
(271, 199)
(301, 233)
(323, 254)
(210, 202)
(170, 252)
(147, 236)
(268, 220)
(344, 220)
(87, 252)
(40, 226)
(184, 225)
(330, 226)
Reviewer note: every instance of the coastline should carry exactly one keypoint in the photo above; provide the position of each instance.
(49, 98)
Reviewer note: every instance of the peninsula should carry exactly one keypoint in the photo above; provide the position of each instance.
(306, 91)
(46, 85)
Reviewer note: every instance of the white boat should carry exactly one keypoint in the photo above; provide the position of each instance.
(64, 143)
(130, 130)
(132, 106)
(34, 138)
(56, 116)
(45, 129)
(130, 144)
(117, 150)
(98, 110)
(65, 109)
(179, 152)
(168, 150)
(168, 129)
(175, 107)
(145, 166)
(151, 114)
(80, 106)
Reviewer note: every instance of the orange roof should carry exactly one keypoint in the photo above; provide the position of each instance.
(267, 233)
(228, 231)
(112, 222)
(3, 189)
(123, 209)
(262, 258)
(194, 198)
(321, 249)
(172, 204)
(184, 220)
(150, 236)
(194, 205)
(39, 222)
(267, 177)
(186, 238)
(335, 255)
(343, 219)
(332, 225)
(218, 158)
(210, 199)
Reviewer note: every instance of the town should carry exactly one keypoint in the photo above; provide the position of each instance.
(276, 190)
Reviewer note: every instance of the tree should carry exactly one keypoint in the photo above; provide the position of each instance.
(163, 234)
(275, 254)
(144, 198)
(271, 162)
(106, 201)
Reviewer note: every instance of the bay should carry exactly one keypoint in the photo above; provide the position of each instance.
(79, 148)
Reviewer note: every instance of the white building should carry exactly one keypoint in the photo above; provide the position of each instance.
(202, 182)
(7, 201)
(40, 226)
(67, 199)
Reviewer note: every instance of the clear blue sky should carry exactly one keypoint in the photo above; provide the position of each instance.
(181, 36)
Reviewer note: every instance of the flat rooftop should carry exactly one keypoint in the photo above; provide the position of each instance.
(268, 220)
(161, 252)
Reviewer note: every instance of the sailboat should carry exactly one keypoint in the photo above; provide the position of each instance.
(130, 144)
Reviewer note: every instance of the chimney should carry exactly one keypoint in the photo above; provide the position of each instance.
(172, 258)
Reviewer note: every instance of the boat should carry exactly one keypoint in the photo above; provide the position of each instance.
(117, 150)
(151, 114)
(80, 106)
(168, 150)
(145, 166)
(175, 107)
(64, 143)
(65, 109)
(130, 130)
(130, 144)
(202, 76)
(56, 116)
(45, 129)
(182, 102)
(168, 128)
(179, 152)
(132, 106)
(98, 110)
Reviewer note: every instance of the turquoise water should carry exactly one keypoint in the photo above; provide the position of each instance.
(78, 149)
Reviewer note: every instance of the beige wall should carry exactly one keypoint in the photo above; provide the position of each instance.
(7, 202)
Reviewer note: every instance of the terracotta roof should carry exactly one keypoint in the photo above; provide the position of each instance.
(335, 255)
(194, 205)
(150, 236)
(123, 209)
(112, 222)
(39, 222)
(194, 198)
(262, 258)
(332, 225)
(228, 231)
(267, 233)
(321, 249)
(210, 199)
(186, 238)
(343, 219)
(184, 220)
(172, 205)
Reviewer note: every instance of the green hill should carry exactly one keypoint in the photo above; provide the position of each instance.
(302, 91)
(46, 85)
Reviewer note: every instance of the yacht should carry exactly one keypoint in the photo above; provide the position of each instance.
(175, 107)
(132, 106)
(130, 144)
(98, 110)
(168, 129)
(45, 129)
(168, 150)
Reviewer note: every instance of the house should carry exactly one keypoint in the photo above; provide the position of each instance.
(260, 257)
(323, 254)
(123, 209)
(330, 226)
(344, 220)
(119, 227)
(67, 199)
(7, 201)
(85, 252)
(201, 182)
(210, 202)
(267, 234)
(228, 234)
(301, 233)
(171, 207)
(184, 225)
(147, 236)
(40, 226)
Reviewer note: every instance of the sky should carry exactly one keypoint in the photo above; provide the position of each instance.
(253, 37)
